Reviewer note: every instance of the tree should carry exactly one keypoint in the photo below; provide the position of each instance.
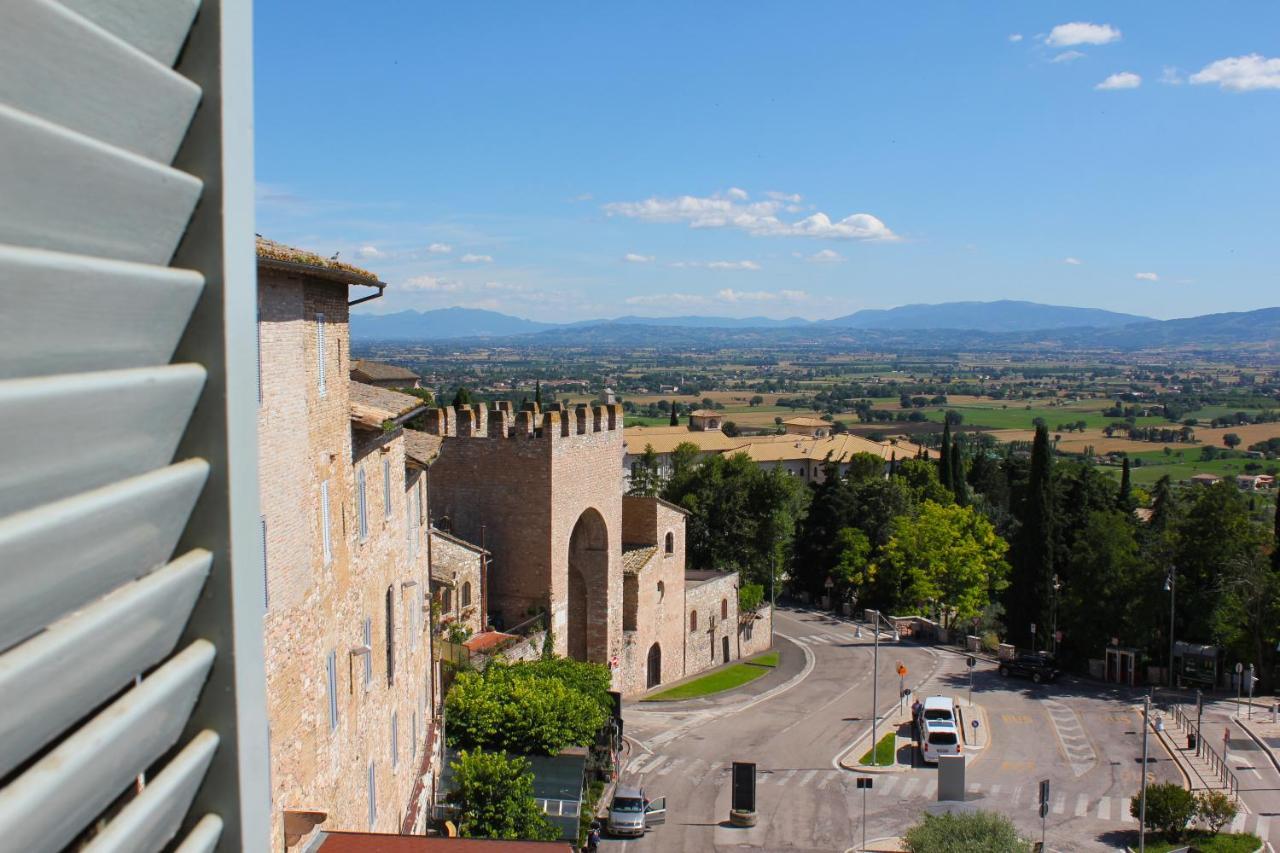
(750, 597)
(1216, 809)
(494, 795)
(675, 415)
(864, 466)
(730, 429)
(756, 400)
(958, 486)
(646, 480)
(1100, 597)
(1124, 500)
(975, 832)
(1028, 597)
(951, 556)
(1231, 440)
(852, 571)
(944, 458)
(462, 397)
(537, 394)
(1170, 808)
(953, 417)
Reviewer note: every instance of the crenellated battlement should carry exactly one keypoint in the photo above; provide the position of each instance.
(500, 420)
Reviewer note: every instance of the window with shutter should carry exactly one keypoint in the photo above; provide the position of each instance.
(386, 488)
(368, 658)
(320, 354)
(391, 637)
(326, 543)
(362, 505)
(266, 582)
(127, 546)
(332, 665)
(413, 743)
(373, 797)
(395, 740)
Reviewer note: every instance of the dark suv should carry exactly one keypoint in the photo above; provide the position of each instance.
(1038, 668)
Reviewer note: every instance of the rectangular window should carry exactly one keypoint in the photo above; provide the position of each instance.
(368, 658)
(413, 744)
(326, 544)
(257, 327)
(320, 359)
(266, 584)
(373, 797)
(333, 690)
(395, 740)
(362, 505)
(386, 488)
(422, 519)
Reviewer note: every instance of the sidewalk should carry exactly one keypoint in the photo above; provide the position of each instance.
(1263, 731)
(900, 721)
(1197, 771)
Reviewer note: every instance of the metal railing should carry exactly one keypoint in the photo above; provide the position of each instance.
(1218, 766)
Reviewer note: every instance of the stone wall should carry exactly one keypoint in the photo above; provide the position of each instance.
(756, 635)
(463, 564)
(711, 619)
(658, 591)
(317, 606)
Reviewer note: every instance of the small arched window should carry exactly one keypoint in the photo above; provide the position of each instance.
(693, 620)
(662, 590)
(724, 608)
(466, 594)
(446, 600)
(670, 544)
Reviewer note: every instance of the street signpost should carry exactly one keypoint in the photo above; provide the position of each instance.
(1033, 638)
(971, 663)
(1239, 673)
(1251, 681)
(864, 784)
(902, 674)
(1142, 809)
(974, 724)
(1044, 808)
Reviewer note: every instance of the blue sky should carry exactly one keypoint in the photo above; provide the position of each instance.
(563, 161)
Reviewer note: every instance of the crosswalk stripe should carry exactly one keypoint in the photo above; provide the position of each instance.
(1060, 804)
(909, 787)
(1237, 825)
(995, 789)
(888, 784)
(648, 768)
(1082, 805)
(975, 787)
(786, 777)
(828, 778)
(804, 780)
(1104, 808)
(671, 766)
(1125, 815)
(635, 763)
(1264, 824)
(931, 789)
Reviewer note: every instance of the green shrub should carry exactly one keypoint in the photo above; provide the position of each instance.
(494, 794)
(977, 832)
(1215, 809)
(1170, 808)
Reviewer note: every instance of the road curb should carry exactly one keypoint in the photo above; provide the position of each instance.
(1270, 753)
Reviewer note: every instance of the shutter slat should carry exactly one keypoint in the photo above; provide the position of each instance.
(158, 28)
(111, 314)
(203, 838)
(67, 192)
(50, 803)
(155, 816)
(65, 672)
(103, 426)
(100, 86)
(55, 558)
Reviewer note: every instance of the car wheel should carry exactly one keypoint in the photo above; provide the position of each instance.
(1004, 672)
(1036, 677)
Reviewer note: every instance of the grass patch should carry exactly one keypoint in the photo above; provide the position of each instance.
(886, 751)
(1204, 842)
(722, 679)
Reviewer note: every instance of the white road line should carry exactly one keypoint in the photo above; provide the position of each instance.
(786, 777)
(828, 778)
(1060, 804)
(995, 789)
(1237, 825)
(635, 763)
(909, 787)
(975, 787)
(1104, 808)
(888, 784)
(804, 780)
(1082, 805)
(1264, 825)
(671, 766)
(1125, 816)
(648, 768)
(931, 789)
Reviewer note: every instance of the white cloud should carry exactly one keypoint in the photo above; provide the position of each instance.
(789, 198)
(476, 259)
(1075, 262)
(826, 256)
(1146, 276)
(716, 265)
(1015, 37)
(1241, 73)
(368, 252)
(582, 197)
(666, 299)
(428, 283)
(1068, 56)
(1080, 32)
(439, 248)
(736, 194)
(1171, 76)
(1123, 80)
(730, 295)
(759, 218)
(633, 258)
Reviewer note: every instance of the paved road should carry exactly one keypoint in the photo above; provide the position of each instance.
(1084, 738)
(1258, 777)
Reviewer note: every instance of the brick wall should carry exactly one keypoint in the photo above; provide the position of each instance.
(317, 606)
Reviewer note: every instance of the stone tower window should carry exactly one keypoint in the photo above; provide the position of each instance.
(391, 638)
(724, 608)
(466, 594)
(669, 545)
(693, 620)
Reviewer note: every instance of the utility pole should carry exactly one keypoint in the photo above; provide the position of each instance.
(875, 691)
(1171, 584)
(1142, 808)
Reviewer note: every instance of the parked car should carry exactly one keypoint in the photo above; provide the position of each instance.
(939, 737)
(1038, 668)
(631, 813)
(939, 708)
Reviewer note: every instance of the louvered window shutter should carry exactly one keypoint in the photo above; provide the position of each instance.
(266, 581)
(332, 664)
(386, 488)
(363, 505)
(320, 353)
(130, 549)
(326, 544)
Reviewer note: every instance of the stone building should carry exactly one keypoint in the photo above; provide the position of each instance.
(351, 703)
(458, 572)
(384, 375)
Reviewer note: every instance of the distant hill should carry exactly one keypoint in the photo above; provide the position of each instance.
(1236, 327)
(1002, 316)
(440, 324)
(696, 322)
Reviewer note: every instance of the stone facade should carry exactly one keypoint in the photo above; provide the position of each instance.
(360, 755)
(755, 635)
(653, 533)
(458, 581)
(711, 620)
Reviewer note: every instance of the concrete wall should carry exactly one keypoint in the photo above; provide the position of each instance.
(713, 596)
(315, 606)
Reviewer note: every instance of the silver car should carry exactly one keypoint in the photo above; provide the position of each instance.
(631, 813)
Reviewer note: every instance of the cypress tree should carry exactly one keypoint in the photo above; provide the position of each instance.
(1027, 599)
(944, 462)
(537, 394)
(1124, 500)
(958, 485)
(675, 414)
(1275, 543)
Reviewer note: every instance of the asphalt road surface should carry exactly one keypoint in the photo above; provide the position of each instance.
(796, 723)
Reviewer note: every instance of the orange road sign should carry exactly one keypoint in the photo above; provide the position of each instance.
(902, 670)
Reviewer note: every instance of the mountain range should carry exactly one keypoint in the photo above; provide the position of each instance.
(999, 324)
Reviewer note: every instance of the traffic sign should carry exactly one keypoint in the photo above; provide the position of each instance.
(865, 782)
(973, 723)
(1044, 810)
(829, 583)
(1044, 792)
(971, 662)
(902, 669)
(1239, 668)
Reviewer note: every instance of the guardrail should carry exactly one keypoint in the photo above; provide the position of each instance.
(1218, 766)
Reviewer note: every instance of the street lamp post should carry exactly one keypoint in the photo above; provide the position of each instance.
(1171, 584)
(1056, 586)
(875, 686)
(1142, 808)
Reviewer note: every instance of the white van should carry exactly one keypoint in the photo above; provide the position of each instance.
(939, 737)
(939, 709)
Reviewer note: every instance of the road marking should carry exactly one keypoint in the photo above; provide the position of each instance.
(1017, 795)
(661, 759)
(1071, 736)
(888, 784)
(1264, 825)
(1125, 815)
(1082, 805)
(804, 780)
(909, 787)
(1104, 808)
(995, 789)
(787, 777)
(1016, 719)
(1060, 804)
(931, 789)
(1237, 825)
(1016, 766)
(635, 763)
(673, 765)
(975, 787)
(828, 778)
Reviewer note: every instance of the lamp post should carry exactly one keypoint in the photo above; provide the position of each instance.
(875, 685)
(1057, 585)
(1171, 585)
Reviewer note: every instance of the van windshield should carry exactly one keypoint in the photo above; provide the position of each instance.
(942, 738)
(937, 714)
(628, 804)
